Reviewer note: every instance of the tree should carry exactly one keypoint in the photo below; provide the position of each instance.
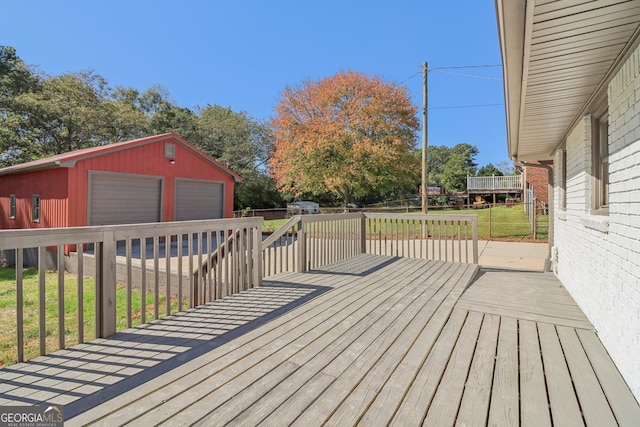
(506, 167)
(127, 120)
(489, 170)
(234, 139)
(449, 166)
(70, 111)
(58, 114)
(257, 191)
(16, 78)
(171, 118)
(460, 164)
(437, 158)
(349, 135)
(44, 115)
(242, 144)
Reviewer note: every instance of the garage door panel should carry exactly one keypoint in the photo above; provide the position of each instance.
(124, 199)
(199, 200)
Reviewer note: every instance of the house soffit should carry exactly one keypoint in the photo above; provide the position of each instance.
(556, 56)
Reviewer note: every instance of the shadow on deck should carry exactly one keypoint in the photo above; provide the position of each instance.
(86, 375)
(372, 340)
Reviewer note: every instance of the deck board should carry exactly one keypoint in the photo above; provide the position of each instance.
(562, 400)
(505, 395)
(474, 407)
(587, 386)
(422, 389)
(278, 345)
(446, 401)
(531, 296)
(372, 340)
(343, 401)
(533, 393)
(623, 405)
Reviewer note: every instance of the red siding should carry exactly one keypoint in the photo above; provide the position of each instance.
(146, 159)
(51, 185)
(64, 191)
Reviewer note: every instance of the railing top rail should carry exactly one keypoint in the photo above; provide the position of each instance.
(494, 182)
(330, 217)
(23, 238)
(426, 217)
(284, 228)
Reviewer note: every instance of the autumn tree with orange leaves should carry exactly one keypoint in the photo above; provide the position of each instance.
(350, 135)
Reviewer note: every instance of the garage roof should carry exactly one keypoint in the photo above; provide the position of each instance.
(68, 160)
(556, 55)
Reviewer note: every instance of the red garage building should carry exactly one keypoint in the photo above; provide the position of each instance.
(159, 178)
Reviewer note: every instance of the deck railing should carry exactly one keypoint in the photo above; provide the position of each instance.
(437, 237)
(123, 275)
(94, 281)
(330, 238)
(494, 183)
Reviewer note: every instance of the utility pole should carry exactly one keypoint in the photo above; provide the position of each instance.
(425, 171)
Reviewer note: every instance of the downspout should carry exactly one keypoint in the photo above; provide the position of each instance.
(547, 262)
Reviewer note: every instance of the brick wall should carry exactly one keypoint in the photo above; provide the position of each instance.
(539, 180)
(598, 256)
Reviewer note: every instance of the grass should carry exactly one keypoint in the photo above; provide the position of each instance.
(8, 326)
(500, 222)
(272, 225)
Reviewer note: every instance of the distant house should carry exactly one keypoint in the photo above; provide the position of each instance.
(159, 178)
(572, 92)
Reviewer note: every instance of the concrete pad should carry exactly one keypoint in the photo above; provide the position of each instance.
(512, 255)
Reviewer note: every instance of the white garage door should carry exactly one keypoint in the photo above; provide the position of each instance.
(199, 200)
(116, 198)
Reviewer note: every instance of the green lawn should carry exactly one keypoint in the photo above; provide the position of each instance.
(499, 222)
(8, 327)
(503, 222)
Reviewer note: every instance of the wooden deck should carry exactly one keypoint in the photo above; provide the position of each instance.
(370, 341)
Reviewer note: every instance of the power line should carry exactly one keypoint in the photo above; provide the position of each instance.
(469, 75)
(466, 66)
(464, 106)
(453, 68)
(410, 77)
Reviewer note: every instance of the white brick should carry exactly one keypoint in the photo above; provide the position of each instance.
(602, 270)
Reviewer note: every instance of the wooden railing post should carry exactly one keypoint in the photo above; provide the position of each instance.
(257, 255)
(106, 286)
(20, 305)
(302, 249)
(363, 234)
(474, 232)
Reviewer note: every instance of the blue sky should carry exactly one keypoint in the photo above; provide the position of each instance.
(243, 53)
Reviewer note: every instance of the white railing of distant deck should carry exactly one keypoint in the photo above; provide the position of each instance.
(494, 183)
